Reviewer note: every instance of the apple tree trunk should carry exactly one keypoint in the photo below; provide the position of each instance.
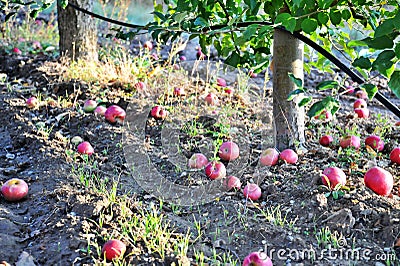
(289, 118)
(78, 32)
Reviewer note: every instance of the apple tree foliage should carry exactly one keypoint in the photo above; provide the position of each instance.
(364, 32)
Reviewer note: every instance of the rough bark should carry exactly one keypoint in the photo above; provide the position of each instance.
(78, 33)
(288, 53)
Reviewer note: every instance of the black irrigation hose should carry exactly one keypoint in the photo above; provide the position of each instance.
(356, 78)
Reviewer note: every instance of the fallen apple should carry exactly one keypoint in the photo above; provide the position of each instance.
(215, 170)
(148, 45)
(335, 176)
(89, 106)
(221, 82)
(85, 148)
(182, 58)
(379, 180)
(361, 94)
(228, 151)
(199, 54)
(17, 51)
(113, 249)
(326, 140)
(252, 191)
(375, 142)
(257, 259)
(229, 90)
(100, 110)
(324, 116)
(212, 99)
(289, 156)
(32, 102)
(360, 103)
(14, 189)
(232, 182)
(178, 91)
(395, 155)
(158, 112)
(140, 86)
(115, 114)
(362, 112)
(350, 141)
(197, 161)
(269, 157)
(349, 89)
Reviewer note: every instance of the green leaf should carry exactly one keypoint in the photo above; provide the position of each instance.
(309, 25)
(287, 21)
(160, 15)
(250, 32)
(370, 89)
(305, 101)
(298, 82)
(323, 18)
(63, 3)
(346, 14)
(233, 59)
(396, 21)
(324, 4)
(294, 93)
(362, 62)
(199, 21)
(397, 50)
(328, 84)
(316, 109)
(383, 62)
(328, 103)
(355, 43)
(179, 17)
(379, 43)
(335, 16)
(394, 83)
(385, 28)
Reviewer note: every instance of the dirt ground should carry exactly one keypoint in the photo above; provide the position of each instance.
(54, 225)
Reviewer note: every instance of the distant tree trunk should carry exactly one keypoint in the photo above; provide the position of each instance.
(78, 34)
(288, 54)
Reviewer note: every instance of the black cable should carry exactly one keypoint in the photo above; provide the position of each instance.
(356, 78)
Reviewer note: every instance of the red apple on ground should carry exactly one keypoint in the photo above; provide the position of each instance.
(199, 54)
(212, 99)
(14, 189)
(178, 91)
(89, 106)
(257, 259)
(360, 103)
(17, 51)
(85, 148)
(140, 86)
(232, 182)
(349, 89)
(32, 102)
(100, 110)
(252, 74)
(229, 90)
(228, 151)
(269, 157)
(197, 161)
(115, 114)
(350, 141)
(362, 112)
(182, 58)
(289, 156)
(379, 180)
(158, 112)
(335, 176)
(113, 249)
(252, 191)
(148, 45)
(324, 116)
(326, 140)
(395, 155)
(221, 82)
(215, 170)
(361, 94)
(375, 142)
